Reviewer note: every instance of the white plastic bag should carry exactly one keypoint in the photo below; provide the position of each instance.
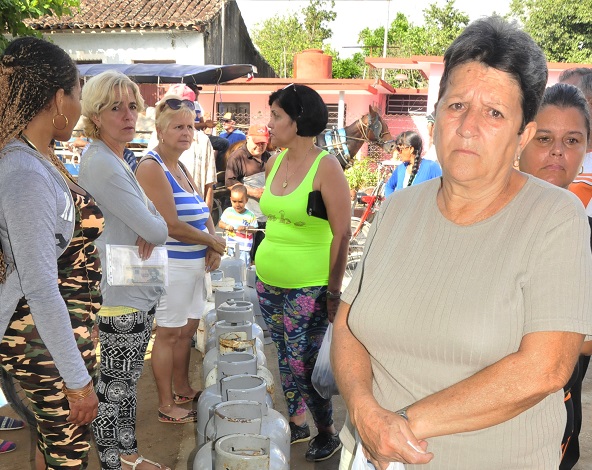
(322, 376)
(126, 268)
(360, 461)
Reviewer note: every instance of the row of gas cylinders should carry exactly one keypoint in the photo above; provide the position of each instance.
(237, 426)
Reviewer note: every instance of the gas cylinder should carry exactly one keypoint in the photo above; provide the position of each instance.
(233, 338)
(251, 296)
(235, 387)
(241, 452)
(234, 266)
(249, 416)
(234, 312)
(208, 320)
(262, 372)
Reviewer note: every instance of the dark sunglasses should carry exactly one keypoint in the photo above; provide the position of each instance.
(176, 104)
(403, 147)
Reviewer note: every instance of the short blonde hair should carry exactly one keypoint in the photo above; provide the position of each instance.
(101, 92)
(164, 113)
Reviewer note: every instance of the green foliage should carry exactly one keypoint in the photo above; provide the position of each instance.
(316, 15)
(563, 28)
(279, 38)
(352, 67)
(441, 26)
(13, 13)
(361, 175)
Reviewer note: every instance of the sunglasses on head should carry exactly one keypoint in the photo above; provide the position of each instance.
(292, 86)
(176, 104)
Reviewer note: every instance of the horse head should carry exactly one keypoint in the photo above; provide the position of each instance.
(344, 143)
(376, 130)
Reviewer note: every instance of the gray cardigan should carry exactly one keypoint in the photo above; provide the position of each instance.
(36, 225)
(128, 214)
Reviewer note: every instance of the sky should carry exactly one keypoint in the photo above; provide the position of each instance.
(355, 15)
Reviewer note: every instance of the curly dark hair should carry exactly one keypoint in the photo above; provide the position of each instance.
(305, 106)
(32, 70)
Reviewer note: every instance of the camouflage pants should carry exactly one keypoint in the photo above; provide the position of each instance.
(23, 354)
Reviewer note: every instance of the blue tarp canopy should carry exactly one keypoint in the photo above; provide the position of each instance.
(172, 73)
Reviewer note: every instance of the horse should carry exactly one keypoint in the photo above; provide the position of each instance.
(344, 143)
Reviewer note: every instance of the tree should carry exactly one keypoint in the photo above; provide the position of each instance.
(563, 28)
(351, 67)
(281, 37)
(404, 39)
(278, 39)
(13, 14)
(316, 15)
(442, 26)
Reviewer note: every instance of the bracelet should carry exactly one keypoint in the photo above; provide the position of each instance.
(333, 295)
(79, 393)
(403, 413)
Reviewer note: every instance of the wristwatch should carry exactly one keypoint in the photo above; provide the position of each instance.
(403, 413)
(333, 295)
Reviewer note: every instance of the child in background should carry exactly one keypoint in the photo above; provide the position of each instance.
(236, 220)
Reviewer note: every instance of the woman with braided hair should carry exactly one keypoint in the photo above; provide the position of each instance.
(47, 308)
(414, 169)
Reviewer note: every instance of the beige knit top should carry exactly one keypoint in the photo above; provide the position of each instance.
(439, 302)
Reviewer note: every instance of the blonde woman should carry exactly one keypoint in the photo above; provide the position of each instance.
(193, 248)
(110, 106)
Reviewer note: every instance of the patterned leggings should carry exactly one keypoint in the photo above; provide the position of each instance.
(124, 340)
(297, 320)
(23, 354)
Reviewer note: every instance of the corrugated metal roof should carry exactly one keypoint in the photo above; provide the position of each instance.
(137, 14)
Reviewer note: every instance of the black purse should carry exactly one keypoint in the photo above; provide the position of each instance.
(316, 205)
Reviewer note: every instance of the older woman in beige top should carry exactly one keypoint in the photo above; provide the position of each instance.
(468, 310)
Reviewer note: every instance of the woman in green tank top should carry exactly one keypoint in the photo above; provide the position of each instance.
(301, 261)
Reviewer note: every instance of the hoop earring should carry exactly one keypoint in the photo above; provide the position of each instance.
(53, 121)
(581, 170)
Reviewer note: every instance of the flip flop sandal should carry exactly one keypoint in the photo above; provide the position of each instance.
(182, 399)
(6, 446)
(190, 417)
(139, 460)
(10, 424)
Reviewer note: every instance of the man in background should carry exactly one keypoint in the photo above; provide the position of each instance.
(246, 165)
(231, 133)
(219, 144)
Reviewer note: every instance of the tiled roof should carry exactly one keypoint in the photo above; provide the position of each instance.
(139, 14)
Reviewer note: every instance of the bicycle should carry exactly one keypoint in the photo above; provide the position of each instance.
(361, 225)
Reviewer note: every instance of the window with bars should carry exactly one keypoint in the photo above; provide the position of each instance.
(333, 113)
(407, 104)
(241, 111)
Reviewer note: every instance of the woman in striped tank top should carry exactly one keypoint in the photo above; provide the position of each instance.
(193, 249)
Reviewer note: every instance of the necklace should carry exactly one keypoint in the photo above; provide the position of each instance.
(26, 140)
(286, 177)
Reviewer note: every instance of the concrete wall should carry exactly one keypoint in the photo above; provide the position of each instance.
(127, 46)
(227, 32)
